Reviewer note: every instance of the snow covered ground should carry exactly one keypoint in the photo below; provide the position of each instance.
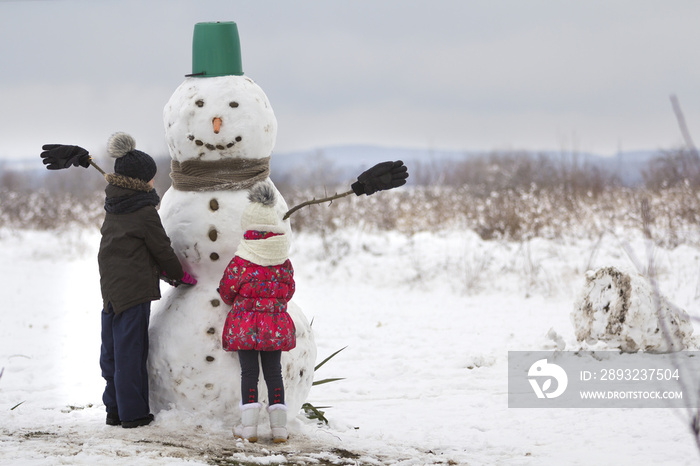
(427, 321)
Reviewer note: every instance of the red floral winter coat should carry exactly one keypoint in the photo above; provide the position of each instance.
(258, 319)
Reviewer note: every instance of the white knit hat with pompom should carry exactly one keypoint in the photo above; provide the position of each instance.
(260, 214)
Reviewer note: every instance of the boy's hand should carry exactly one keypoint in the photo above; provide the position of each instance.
(187, 279)
(169, 280)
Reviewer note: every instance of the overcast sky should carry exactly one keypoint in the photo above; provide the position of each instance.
(586, 75)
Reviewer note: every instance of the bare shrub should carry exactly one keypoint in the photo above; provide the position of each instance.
(507, 215)
(673, 168)
(523, 171)
(41, 210)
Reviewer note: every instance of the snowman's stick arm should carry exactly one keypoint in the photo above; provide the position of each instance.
(315, 201)
(384, 175)
(98, 167)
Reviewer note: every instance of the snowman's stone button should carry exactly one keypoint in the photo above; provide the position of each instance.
(209, 386)
(214, 205)
(214, 256)
(215, 302)
(211, 331)
(213, 234)
(210, 358)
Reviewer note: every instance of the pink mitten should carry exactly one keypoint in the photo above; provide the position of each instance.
(189, 279)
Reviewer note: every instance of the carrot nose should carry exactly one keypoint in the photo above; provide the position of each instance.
(216, 122)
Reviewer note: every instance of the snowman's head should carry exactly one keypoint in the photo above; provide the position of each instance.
(219, 117)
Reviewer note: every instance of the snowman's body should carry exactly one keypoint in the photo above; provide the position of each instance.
(213, 119)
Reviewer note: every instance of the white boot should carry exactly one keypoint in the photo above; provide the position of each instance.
(278, 422)
(248, 428)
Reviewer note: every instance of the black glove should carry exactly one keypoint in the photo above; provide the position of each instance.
(385, 175)
(58, 156)
(170, 281)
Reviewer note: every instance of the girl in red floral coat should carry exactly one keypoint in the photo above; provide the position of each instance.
(258, 283)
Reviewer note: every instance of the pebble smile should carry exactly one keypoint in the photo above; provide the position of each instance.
(210, 146)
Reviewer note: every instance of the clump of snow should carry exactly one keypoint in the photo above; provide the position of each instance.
(554, 341)
(622, 308)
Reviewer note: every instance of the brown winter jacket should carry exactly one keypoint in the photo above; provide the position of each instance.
(133, 252)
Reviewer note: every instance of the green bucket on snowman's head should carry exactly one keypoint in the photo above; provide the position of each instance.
(216, 50)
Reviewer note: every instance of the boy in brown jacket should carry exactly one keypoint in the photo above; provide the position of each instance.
(134, 253)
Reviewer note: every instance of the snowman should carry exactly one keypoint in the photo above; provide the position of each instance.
(220, 130)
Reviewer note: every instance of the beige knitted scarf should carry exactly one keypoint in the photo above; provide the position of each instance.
(218, 175)
(265, 252)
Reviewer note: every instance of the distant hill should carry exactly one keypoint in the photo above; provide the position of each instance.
(340, 163)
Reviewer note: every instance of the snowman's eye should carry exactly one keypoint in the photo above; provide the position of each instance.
(233, 104)
(199, 103)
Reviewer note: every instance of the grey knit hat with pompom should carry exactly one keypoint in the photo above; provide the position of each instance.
(129, 161)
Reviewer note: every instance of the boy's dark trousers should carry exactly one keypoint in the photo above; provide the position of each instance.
(123, 361)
